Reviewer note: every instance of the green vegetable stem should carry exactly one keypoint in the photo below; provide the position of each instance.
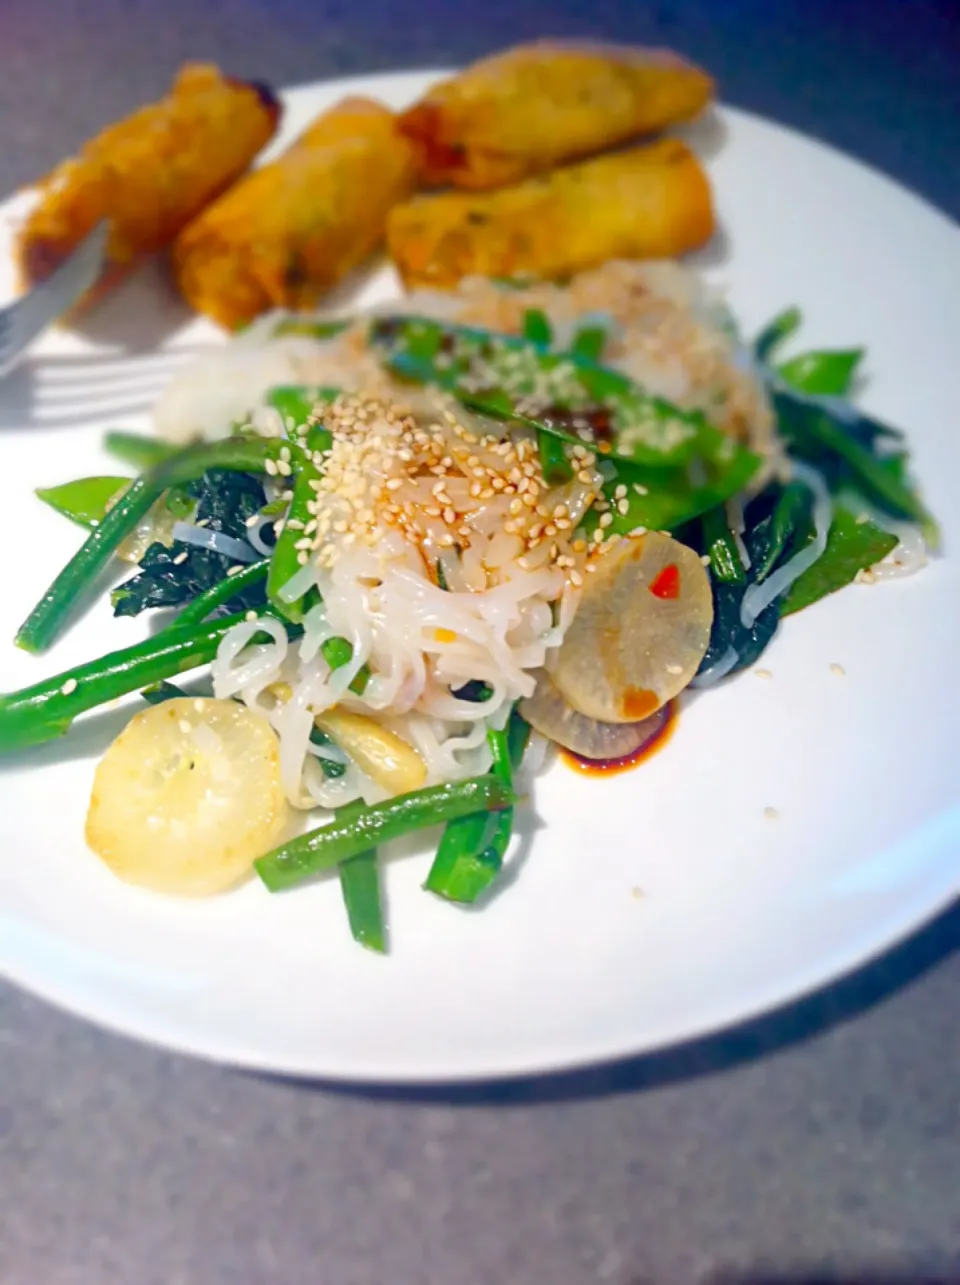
(343, 840)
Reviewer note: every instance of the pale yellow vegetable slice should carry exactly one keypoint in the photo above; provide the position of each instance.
(549, 713)
(385, 757)
(640, 632)
(187, 796)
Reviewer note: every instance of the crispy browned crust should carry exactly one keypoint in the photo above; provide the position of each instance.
(534, 106)
(648, 202)
(289, 231)
(149, 174)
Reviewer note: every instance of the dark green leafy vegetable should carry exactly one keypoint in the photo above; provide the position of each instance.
(814, 435)
(51, 614)
(852, 546)
(331, 767)
(475, 690)
(719, 543)
(824, 374)
(776, 333)
(239, 586)
(182, 572)
(789, 515)
(136, 450)
(327, 846)
(84, 501)
(157, 693)
(45, 710)
(360, 889)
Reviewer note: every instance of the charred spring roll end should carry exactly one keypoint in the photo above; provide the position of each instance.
(148, 175)
(646, 203)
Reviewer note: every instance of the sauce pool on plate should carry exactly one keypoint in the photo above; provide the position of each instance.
(611, 767)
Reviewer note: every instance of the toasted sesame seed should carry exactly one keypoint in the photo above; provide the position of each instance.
(763, 673)
(180, 558)
(69, 687)
(606, 519)
(270, 467)
(705, 559)
(232, 571)
(250, 615)
(771, 813)
(838, 670)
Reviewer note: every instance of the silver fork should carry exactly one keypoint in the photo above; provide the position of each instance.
(22, 321)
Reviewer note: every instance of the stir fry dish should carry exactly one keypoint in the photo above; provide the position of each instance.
(407, 555)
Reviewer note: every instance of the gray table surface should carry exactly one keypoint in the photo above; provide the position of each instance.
(820, 1144)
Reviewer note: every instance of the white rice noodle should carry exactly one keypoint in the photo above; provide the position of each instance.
(718, 670)
(759, 596)
(255, 534)
(239, 667)
(421, 644)
(906, 558)
(203, 538)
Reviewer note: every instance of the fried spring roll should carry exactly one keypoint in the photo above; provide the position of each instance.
(290, 231)
(537, 105)
(649, 202)
(149, 174)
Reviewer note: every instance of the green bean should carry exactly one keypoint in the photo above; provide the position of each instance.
(338, 652)
(471, 851)
(589, 342)
(138, 451)
(84, 501)
(360, 889)
(45, 710)
(823, 374)
(554, 464)
(537, 328)
(725, 561)
(50, 616)
(776, 332)
(229, 587)
(341, 840)
(285, 561)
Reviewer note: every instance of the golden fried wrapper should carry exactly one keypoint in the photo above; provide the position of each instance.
(288, 232)
(648, 202)
(534, 106)
(149, 174)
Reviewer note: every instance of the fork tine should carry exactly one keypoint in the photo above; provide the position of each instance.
(53, 394)
(25, 318)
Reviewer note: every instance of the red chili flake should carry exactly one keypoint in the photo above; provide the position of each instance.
(666, 584)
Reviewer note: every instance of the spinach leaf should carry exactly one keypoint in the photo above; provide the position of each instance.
(852, 546)
(169, 577)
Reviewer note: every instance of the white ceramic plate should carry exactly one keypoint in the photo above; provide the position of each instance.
(646, 909)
